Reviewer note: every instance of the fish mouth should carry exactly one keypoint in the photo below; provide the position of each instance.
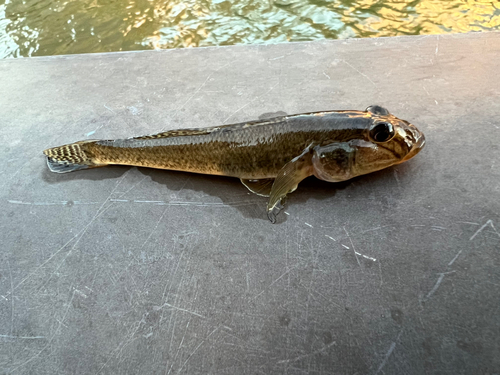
(417, 146)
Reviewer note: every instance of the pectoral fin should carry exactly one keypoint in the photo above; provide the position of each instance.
(260, 187)
(287, 181)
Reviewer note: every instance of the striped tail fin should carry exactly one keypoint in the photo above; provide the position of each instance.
(69, 158)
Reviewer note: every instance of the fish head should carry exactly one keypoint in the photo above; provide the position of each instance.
(391, 140)
(386, 141)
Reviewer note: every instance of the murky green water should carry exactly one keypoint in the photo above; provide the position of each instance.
(50, 27)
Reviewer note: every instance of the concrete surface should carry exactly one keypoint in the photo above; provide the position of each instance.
(135, 271)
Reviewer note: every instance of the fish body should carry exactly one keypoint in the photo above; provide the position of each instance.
(270, 156)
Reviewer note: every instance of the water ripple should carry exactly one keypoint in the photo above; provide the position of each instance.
(51, 27)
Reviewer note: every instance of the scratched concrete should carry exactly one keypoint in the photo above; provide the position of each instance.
(126, 270)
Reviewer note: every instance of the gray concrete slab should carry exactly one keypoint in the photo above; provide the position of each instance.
(127, 270)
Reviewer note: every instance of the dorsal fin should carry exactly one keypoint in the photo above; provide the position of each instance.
(203, 131)
(179, 133)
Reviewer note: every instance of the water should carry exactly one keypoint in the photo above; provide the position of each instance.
(52, 27)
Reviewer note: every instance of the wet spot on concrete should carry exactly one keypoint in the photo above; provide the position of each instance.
(285, 320)
(327, 338)
(470, 347)
(397, 315)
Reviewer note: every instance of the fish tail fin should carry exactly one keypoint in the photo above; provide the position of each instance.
(71, 157)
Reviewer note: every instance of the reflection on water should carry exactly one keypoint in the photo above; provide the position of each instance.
(51, 27)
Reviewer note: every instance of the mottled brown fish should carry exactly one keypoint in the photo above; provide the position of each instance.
(270, 156)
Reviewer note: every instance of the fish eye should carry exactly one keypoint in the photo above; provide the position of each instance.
(382, 132)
